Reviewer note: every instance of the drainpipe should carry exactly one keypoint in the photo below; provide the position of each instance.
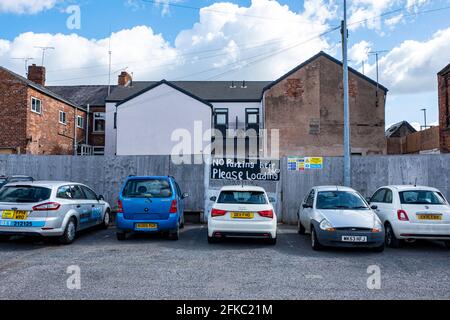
(75, 132)
(87, 124)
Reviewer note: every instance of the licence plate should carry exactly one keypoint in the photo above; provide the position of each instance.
(354, 239)
(242, 215)
(146, 226)
(434, 217)
(15, 215)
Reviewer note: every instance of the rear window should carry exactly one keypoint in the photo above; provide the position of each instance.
(422, 197)
(24, 194)
(239, 197)
(147, 188)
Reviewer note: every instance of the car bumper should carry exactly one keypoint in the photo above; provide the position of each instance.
(422, 231)
(130, 225)
(334, 238)
(244, 229)
(47, 227)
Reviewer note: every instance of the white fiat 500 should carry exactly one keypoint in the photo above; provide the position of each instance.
(412, 212)
(242, 212)
(51, 209)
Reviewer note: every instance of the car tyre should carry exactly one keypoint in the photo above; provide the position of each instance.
(212, 240)
(379, 249)
(447, 244)
(175, 235)
(182, 223)
(121, 236)
(272, 241)
(391, 240)
(106, 220)
(4, 238)
(315, 244)
(300, 229)
(69, 232)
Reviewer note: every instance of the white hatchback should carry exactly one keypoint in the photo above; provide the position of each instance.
(412, 212)
(242, 212)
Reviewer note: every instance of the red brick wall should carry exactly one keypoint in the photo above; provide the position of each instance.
(46, 135)
(13, 95)
(444, 111)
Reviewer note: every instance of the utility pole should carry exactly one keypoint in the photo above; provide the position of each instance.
(44, 49)
(110, 62)
(425, 118)
(347, 150)
(26, 63)
(376, 54)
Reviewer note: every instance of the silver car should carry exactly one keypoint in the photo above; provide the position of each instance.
(340, 217)
(51, 209)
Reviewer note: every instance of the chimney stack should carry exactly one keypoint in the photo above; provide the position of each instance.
(36, 74)
(125, 79)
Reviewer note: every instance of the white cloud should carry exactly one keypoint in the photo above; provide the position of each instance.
(359, 52)
(26, 6)
(412, 66)
(217, 43)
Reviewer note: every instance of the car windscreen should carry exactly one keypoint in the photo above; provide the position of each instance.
(426, 197)
(147, 188)
(24, 194)
(338, 200)
(242, 197)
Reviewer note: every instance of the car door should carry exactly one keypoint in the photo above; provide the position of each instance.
(94, 205)
(82, 205)
(180, 199)
(307, 210)
(72, 200)
(378, 199)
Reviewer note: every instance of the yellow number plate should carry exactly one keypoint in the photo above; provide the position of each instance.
(435, 217)
(146, 226)
(15, 215)
(242, 215)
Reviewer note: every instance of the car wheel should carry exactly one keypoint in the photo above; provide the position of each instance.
(300, 228)
(106, 220)
(182, 222)
(212, 240)
(4, 238)
(175, 235)
(272, 241)
(315, 244)
(121, 236)
(391, 239)
(379, 249)
(69, 233)
(447, 244)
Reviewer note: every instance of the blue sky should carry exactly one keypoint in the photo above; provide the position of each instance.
(157, 41)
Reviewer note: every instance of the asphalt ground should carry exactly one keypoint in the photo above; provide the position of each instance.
(152, 267)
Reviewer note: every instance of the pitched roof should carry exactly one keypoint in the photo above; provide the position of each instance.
(40, 88)
(310, 60)
(170, 84)
(445, 71)
(211, 91)
(391, 132)
(94, 95)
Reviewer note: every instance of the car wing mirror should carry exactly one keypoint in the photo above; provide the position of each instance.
(185, 195)
(305, 206)
(100, 198)
(374, 207)
(213, 199)
(272, 200)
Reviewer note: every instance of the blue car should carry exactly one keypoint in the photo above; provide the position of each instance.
(150, 205)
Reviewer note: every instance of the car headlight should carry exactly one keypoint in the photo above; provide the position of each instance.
(378, 226)
(327, 226)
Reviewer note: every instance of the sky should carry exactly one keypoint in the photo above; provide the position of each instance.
(232, 40)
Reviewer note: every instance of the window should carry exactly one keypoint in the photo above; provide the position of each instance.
(99, 122)
(90, 195)
(70, 192)
(147, 188)
(337, 200)
(242, 197)
(422, 197)
(62, 117)
(310, 199)
(80, 122)
(221, 117)
(36, 105)
(252, 116)
(388, 198)
(24, 194)
(98, 151)
(378, 197)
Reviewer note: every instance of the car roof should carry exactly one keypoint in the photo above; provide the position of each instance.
(410, 187)
(148, 177)
(242, 188)
(334, 188)
(47, 184)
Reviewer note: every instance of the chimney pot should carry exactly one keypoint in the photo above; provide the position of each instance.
(36, 74)
(125, 79)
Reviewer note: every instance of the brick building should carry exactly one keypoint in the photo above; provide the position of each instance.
(306, 105)
(34, 119)
(444, 108)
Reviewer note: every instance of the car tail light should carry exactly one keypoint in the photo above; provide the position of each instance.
(173, 207)
(402, 216)
(266, 214)
(218, 213)
(119, 206)
(48, 206)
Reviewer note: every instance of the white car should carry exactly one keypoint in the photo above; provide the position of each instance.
(242, 212)
(412, 212)
(339, 217)
(50, 209)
